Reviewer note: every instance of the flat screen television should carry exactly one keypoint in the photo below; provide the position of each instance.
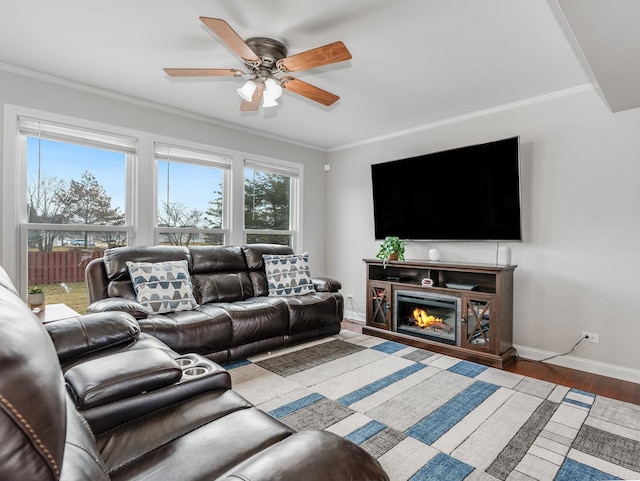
(465, 194)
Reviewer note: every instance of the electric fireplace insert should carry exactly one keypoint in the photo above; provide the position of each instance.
(428, 315)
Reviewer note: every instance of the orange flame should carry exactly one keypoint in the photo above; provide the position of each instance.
(423, 319)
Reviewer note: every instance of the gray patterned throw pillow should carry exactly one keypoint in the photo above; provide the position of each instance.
(162, 286)
(288, 275)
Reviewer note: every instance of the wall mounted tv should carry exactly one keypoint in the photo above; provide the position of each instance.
(466, 194)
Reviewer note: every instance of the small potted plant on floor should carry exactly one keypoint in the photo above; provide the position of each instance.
(391, 249)
(35, 297)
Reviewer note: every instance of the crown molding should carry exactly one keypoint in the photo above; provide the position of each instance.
(473, 115)
(148, 104)
(210, 120)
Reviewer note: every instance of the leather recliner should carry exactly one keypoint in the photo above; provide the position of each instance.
(147, 421)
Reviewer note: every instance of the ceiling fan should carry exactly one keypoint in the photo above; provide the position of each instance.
(265, 58)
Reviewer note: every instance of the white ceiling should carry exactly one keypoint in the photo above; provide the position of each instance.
(415, 62)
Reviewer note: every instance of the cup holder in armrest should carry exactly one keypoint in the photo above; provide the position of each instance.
(194, 365)
(195, 371)
(185, 361)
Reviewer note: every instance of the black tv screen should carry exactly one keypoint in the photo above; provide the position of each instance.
(469, 193)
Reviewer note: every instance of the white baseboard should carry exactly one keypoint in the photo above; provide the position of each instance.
(571, 362)
(581, 364)
(354, 316)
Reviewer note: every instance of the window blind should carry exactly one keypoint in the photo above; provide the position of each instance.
(272, 168)
(64, 133)
(182, 154)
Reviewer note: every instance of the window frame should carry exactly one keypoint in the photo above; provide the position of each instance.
(224, 160)
(295, 172)
(15, 180)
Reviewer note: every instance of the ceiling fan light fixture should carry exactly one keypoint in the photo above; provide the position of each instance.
(265, 57)
(272, 88)
(247, 90)
(268, 101)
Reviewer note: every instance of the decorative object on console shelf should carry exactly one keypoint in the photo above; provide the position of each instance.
(288, 275)
(434, 254)
(504, 255)
(36, 298)
(391, 249)
(426, 282)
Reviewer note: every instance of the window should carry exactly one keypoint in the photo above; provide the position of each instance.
(192, 196)
(76, 183)
(271, 193)
(73, 188)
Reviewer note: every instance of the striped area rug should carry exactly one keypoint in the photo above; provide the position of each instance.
(428, 416)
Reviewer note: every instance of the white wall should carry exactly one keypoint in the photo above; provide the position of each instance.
(91, 105)
(578, 266)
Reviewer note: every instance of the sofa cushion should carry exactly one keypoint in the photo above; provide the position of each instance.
(220, 274)
(200, 438)
(255, 264)
(288, 275)
(257, 319)
(115, 259)
(205, 330)
(312, 312)
(77, 336)
(162, 286)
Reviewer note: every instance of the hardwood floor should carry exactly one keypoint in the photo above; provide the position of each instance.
(593, 383)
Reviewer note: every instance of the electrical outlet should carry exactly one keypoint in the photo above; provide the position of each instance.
(350, 296)
(591, 337)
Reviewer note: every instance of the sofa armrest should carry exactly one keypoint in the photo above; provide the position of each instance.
(121, 375)
(76, 336)
(326, 284)
(199, 375)
(118, 304)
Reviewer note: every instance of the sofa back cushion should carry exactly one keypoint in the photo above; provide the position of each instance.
(34, 420)
(117, 272)
(220, 274)
(255, 264)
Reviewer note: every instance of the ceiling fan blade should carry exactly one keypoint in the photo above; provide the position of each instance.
(255, 101)
(230, 38)
(203, 72)
(310, 91)
(332, 53)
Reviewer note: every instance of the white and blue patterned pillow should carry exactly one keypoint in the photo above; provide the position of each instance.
(288, 275)
(162, 286)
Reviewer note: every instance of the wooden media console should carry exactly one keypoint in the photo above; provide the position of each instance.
(463, 310)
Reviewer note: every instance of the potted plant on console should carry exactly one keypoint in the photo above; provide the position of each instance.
(391, 249)
(36, 298)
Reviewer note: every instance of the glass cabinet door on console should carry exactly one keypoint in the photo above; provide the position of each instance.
(379, 304)
(477, 332)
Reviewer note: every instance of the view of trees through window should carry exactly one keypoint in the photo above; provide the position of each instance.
(190, 202)
(68, 186)
(267, 207)
(76, 201)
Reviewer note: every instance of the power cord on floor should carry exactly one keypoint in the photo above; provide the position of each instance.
(583, 338)
(354, 307)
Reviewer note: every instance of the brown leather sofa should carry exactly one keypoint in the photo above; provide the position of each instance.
(154, 414)
(235, 318)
